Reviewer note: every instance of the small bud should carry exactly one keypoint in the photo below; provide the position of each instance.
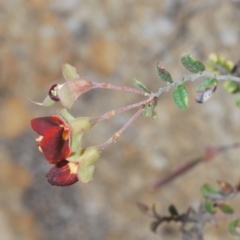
(213, 58)
(231, 87)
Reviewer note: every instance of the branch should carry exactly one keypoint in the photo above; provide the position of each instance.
(194, 77)
(120, 88)
(112, 113)
(117, 134)
(181, 169)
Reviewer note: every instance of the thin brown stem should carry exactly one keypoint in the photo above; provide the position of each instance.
(119, 132)
(181, 169)
(112, 113)
(120, 88)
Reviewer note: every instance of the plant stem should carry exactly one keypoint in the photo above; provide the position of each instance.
(117, 134)
(194, 77)
(184, 167)
(112, 113)
(120, 88)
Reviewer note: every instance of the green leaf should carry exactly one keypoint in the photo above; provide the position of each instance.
(154, 225)
(140, 85)
(231, 86)
(226, 208)
(209, 206)
(234, 227)
(172, 210)
(207, 189)
(180, 96)
(69, 72)
(153, 109)
(208, 83)
(163, 73)
(147, 111)
(191, 64)
(206, 90)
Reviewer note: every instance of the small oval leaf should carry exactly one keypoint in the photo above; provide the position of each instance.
(154, 225)
(140, 85)
(163, 73)
(226, 208)
(147, 111)
(209, 206)
(207, 189)
(191, 64)
(206, 90)
(172, 210)
(180, 96)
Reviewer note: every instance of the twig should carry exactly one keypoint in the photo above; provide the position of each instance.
(120, 88)
(118, 133)
(112, 113)
(194, 77)
(181, 169)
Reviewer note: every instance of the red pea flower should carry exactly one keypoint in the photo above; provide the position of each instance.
(63, 174)
(53, 139)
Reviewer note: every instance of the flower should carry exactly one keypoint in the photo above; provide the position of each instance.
(68, 92)
(53, 139)
(60, 142)
(79, 166)
(64, 173)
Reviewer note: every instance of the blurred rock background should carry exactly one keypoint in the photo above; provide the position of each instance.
(111, 41)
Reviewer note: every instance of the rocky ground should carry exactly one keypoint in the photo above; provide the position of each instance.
(111, 41)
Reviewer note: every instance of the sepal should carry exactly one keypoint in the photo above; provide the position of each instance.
(86, 165)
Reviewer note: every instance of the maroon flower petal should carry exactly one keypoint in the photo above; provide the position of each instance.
(42, 125)
(53, 146)
(63, 174)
